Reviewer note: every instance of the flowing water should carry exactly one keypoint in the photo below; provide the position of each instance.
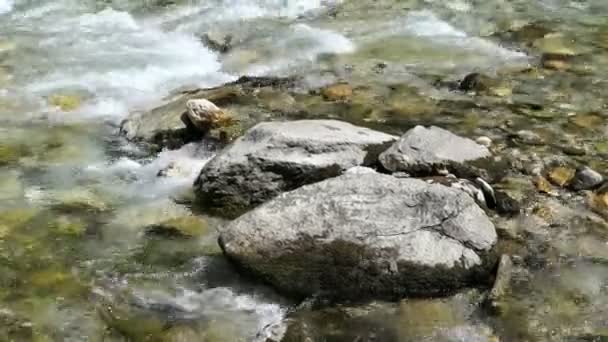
(75, 196)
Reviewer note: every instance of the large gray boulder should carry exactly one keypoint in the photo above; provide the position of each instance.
(425, 151)
(365, 235)
(274, 157)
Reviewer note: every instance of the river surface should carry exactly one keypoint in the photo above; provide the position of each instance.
(75, 196)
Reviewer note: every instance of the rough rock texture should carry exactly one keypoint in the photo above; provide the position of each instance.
(424, 151)
(365, 235)
(586, 179)
(163, 126)
(275, 157)
(204, 115)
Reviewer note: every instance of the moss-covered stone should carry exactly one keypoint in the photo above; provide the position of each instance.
(561, 176)
(69, 226)
(65, 102)
(337, 92)
(421, 317)
(543, 185)
(16, 217)
(79, 201)
(180, 227)
(181, 334)
(10, 154)
(135, 326)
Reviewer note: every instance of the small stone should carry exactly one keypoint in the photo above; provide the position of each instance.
(561, 176)
(172, 170)
(555, 61)
(182, 227)
(505, 205)
(485, 141)
(501, 284)
(588, 121)
(483, 84)
(543, 185)
(529, 138)
(574, 150)
(586, 179)
(476, 82)
(66, 103)
(204, 115)
(598, 201)
(217, 43)
(337, 92)
(556, 44)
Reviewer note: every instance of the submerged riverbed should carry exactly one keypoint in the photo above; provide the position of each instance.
(76, 197)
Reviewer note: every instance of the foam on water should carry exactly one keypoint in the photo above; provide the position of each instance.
(180, 169)
(427, 24)
(133, 67)
(302, 44)
(6, 6)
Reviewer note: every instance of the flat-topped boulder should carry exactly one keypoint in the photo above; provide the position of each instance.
(425, 151)
(365, 235)
(274, 157)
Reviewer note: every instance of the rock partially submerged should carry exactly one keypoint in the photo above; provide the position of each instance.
(203, 115)
(426, 151)
(164, 126)
(274, 157)
(365, 235)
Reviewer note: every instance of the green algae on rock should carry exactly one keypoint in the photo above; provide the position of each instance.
(180, 227)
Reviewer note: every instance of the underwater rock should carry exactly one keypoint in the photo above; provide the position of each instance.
(501, 284)
(365, 235)
(274, 157)
(11, 154)
(586, 178)
(561, 176)
(426, 151)
(337, 92)
(181, 227)
(65, 102)
(543, 185)
(169, 125)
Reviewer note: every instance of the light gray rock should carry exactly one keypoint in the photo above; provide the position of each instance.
(425, 151)
(274, 157)
(365, 235)
(586, 179)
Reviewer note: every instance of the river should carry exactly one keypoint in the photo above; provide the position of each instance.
(75, 195)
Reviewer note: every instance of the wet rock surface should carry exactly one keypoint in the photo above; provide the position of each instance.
(275, 157)
(425, 151)
(369, 235)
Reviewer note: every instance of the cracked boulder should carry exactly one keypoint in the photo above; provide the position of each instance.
(424, 151)
(365, 236)
(274, 157)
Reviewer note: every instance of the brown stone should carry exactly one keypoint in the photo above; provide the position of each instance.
(543, 185)
(561, 176)
(337, 92)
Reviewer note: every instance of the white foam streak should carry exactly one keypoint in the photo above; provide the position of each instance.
(6, 6)
(427, 25)
(303, 44)
(181, 168)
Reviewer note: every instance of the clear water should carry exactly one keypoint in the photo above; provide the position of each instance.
(116, 57)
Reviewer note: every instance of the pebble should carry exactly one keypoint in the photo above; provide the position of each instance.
(543, 185)
(505, 205)
(529, 138)
(561, 176)
(586, 178)
(337, 92)
(485, 141)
